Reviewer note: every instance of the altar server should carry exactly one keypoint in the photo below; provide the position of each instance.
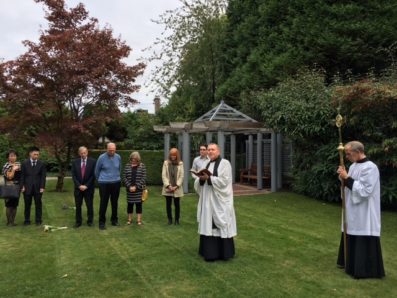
(362, 193)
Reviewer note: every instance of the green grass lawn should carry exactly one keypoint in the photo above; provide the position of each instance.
(286, 247)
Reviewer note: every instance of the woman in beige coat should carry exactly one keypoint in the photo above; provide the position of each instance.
(172, 175)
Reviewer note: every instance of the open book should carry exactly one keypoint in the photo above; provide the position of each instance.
(201, 172)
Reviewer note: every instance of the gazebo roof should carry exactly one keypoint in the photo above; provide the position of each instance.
(222, 117)
(224, 112)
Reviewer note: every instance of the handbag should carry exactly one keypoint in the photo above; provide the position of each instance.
(9, 191)
(145, 195)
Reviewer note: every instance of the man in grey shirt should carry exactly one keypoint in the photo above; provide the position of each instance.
(201, 161)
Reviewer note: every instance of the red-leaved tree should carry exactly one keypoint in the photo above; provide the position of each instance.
(60, 94)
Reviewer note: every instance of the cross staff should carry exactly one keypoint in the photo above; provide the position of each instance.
(341, 148)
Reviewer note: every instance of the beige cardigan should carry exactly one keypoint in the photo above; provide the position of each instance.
(166, 180)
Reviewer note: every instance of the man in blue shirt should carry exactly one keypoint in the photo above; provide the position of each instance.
(107, 173)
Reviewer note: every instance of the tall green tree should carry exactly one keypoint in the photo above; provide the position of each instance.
(60, 93)
(268, 40)
(190, 51)
(199, 74)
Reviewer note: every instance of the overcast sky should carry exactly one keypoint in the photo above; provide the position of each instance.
(130, 19)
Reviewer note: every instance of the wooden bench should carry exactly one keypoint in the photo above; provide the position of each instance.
(251, 176)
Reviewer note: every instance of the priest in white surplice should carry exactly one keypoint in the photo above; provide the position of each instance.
(215, 211)
(362, 193)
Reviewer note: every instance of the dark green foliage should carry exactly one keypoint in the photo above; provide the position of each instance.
(267, 41)
(314, 171)
(139, 131)
(199, 71)
(300, 108)
(22, 151)
(260, 43)
(116, 130)
(153, 161)
(304, 108)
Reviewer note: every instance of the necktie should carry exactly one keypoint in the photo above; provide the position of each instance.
(34, 163)
(83, 169)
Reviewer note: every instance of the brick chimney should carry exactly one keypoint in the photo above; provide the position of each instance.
(157, 104)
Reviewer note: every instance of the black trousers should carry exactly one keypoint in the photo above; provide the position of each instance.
(169, 205)
(88, 197)
(37, 204)
(108, 191)
(130, 207)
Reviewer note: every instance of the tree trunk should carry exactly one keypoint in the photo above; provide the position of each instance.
(59, 187)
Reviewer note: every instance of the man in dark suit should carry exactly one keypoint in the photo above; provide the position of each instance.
(83, 173)
(33, 176)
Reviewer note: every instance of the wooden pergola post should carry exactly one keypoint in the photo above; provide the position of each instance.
(259, 161)
(233, 155)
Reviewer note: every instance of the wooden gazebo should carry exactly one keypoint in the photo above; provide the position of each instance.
(225, 121)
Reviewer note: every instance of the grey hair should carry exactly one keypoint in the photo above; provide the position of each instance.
(135, 155)
(356, 146)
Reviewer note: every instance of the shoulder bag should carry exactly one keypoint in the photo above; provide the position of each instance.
(9, 191)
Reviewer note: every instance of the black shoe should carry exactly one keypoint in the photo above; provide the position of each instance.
(77, 225)
(177, 222)
(102, 227)
(90, 224)
(26, 223)
(38, 223)
(115, 224)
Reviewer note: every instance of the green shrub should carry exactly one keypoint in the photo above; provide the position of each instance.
(370, 107)
(304, 108)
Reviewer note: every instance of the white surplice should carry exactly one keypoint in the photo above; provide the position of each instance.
(363, 200)
(216, 203)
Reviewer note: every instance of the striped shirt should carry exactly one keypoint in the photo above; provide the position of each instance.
(136, 178)
(17, 175)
